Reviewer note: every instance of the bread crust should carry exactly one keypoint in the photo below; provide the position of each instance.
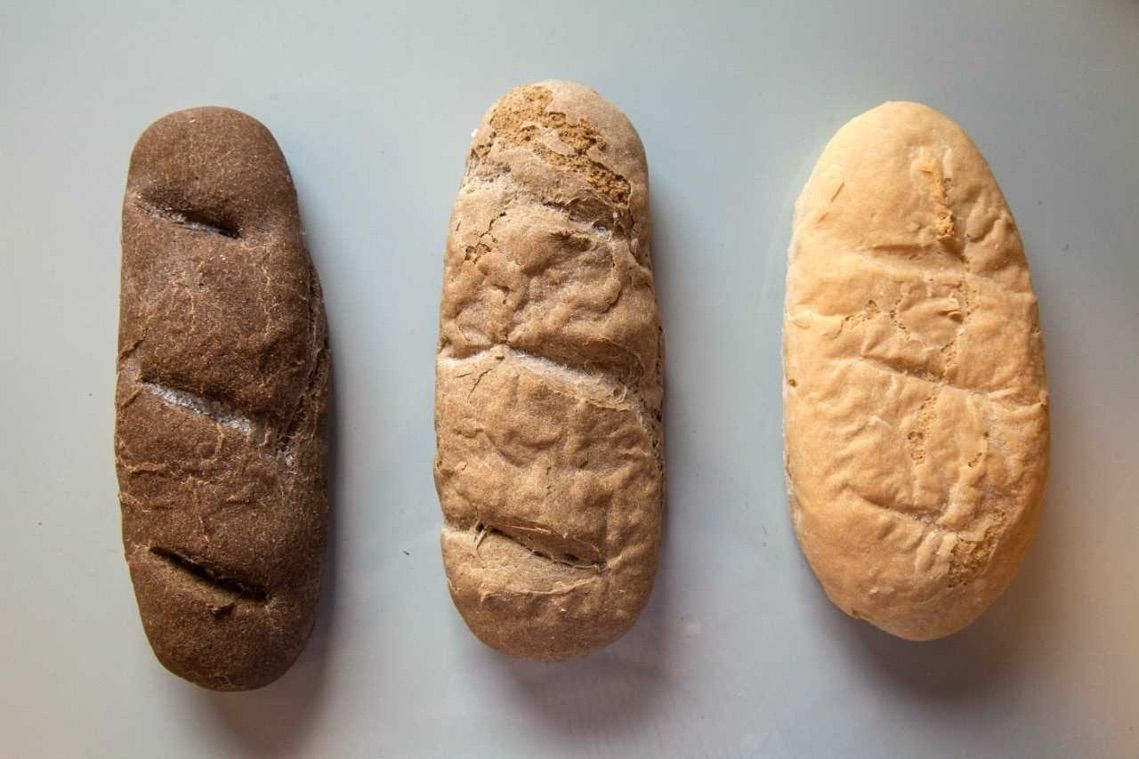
(915, 401)
(223, 372)
(549, 462)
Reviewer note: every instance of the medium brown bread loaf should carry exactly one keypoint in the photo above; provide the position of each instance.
(915, 408)
(223, 374)
(548, 380)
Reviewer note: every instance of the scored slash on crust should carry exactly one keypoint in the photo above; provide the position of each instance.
(187, 218)
(209, 576)
(481, 530)
(209, 407)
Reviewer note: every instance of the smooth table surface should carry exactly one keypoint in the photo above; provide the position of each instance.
(739, 653)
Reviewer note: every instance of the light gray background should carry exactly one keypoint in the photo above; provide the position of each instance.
(738, 654)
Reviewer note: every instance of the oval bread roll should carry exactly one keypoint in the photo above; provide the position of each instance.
(548, 382)
(223, 374)
(915, 408)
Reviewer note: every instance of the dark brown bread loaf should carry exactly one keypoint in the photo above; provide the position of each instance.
(548, 381)
(223, 374)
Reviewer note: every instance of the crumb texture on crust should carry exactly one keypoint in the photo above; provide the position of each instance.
(915, 402)
(223, 373)
(548, 378)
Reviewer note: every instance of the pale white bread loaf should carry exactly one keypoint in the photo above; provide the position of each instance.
(915, 406)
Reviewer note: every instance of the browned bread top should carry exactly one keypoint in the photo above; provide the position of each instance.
(222, 391)
(915, 406)
(548, 389)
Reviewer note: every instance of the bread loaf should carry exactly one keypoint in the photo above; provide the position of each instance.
(549, 464)
(223, 372)
(915, 408)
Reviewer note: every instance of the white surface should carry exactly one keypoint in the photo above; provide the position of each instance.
(739, 653)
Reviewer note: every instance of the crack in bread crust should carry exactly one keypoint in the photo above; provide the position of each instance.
(525, 116)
